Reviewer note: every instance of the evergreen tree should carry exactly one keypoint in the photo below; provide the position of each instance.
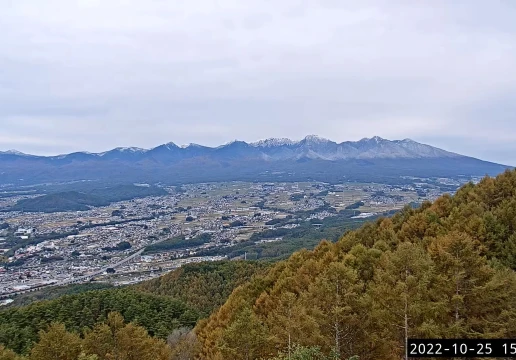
(245, 337)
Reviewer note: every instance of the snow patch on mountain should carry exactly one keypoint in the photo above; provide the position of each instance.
(315, 139)
(227, 144)
(130, 149)
(272, 142)
(170, 145)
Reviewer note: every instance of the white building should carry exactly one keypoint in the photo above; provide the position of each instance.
(24, 232)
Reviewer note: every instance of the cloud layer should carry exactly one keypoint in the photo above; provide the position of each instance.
(92, 75)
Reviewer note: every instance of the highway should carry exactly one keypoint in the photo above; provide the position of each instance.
(101, 271)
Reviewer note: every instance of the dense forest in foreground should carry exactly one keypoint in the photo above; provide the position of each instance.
(159, 315)
(444, 270)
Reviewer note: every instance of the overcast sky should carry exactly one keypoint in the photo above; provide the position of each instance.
(97, 74)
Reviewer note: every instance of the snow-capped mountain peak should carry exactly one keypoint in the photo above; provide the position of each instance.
(170, 145)
(191, 145)
(272, 142)
(374, 139)
(130, 149)
(315, 139)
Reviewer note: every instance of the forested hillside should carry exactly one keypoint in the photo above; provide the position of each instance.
(159, 315)
(73, 200)
(204, 286)
(107, 340)
(443, 270)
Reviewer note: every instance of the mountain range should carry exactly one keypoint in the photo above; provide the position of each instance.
(312, 146)
(312, 158)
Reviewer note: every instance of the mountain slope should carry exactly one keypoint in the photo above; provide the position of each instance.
(442, 271)
(269, 160)
(204, 286)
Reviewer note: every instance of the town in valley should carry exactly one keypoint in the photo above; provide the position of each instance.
(138, 239)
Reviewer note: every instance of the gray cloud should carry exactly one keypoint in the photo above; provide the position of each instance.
(92, 75)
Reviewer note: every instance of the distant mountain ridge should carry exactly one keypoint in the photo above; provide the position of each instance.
(273, 159)
(312, 146)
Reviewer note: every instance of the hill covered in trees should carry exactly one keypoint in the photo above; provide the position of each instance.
(84, 200)
(204, 286)
(64, 201)
(109, 339)
(20, 327)
(443, 270)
